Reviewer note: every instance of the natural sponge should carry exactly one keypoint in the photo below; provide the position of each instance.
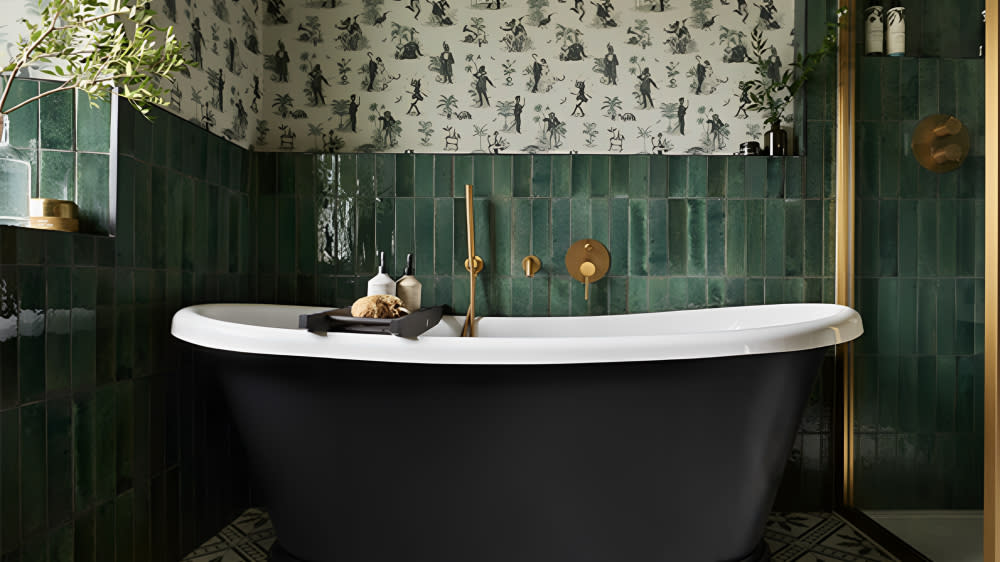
(378, 306)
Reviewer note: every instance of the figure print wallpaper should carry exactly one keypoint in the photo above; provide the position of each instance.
(563, 76)
(631, 76)
(223, 93)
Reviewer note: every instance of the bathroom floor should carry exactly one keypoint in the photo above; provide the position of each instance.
(798, 537)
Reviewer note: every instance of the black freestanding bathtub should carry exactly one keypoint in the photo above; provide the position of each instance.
(640, 438)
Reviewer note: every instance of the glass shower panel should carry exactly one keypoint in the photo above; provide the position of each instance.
(920, 256)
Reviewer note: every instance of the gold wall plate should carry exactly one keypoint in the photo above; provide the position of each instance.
(588, 250)
(531, 265)
(940, 143)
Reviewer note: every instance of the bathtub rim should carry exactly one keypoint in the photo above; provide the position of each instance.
(839, 324)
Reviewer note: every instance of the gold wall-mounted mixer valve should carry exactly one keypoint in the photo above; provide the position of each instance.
(587, 261)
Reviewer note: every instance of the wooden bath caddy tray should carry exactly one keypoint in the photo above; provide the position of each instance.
(340, 320)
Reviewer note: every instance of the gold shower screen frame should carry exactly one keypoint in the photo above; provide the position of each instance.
(845, 234)
(845, 267)
(991, 469)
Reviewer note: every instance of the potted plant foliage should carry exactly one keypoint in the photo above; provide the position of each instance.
(97, 46)
(774, 89)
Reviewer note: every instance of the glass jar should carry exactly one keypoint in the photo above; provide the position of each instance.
(15, 181)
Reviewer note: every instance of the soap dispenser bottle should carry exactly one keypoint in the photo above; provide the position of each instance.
(874, 27)
(408, 287)
(381, 284)
(895, 29)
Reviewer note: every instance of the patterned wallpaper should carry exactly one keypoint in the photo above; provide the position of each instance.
(599, 76)
(607, 76)
(224, 93)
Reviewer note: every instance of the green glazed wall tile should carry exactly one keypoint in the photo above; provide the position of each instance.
(423, 175)
(717, 177)
(736, 238)
(794, 235)
(677, 176)
(677, 249)
(600, 221)
(521, 178)
(93, 192)
(658, 237)
(658, 176)
(444, 210)
(483, 174)
(521, 229)
(618, 245)
(697, 237)
(697, 176)
(715, 237)
(541, 177)
(619, 175)
(24, 121)
(580, 181)
(735, 176)
(541, 230)
(580, 219)
(639, 176)
(638, 253)
(928, 76)
(774, 237)
(59, 117)
(93, 124)
(83, 322)
(503, 174)
(775, 177)
(464, 174)
(32, 459)
(638, 294)
(57, 174)
(600, 175)
(561, 229)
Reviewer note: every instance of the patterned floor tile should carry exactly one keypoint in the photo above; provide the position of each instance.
(792, 537)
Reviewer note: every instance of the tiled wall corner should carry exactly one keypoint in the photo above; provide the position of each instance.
(114, 444)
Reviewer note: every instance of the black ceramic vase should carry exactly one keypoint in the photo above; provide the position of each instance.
(776, 139)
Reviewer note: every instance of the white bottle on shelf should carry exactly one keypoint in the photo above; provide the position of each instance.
(874, 28)
(895, 30)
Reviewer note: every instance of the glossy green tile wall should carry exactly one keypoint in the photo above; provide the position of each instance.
(69, 145)
(112, 446)
(920, 289)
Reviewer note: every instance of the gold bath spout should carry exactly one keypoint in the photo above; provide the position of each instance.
(474, 264)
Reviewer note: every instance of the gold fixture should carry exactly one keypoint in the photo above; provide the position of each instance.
(477, 264)
(844, 286)
(940, 143)
(587, 261)
(991, 431)
(54, 214)
(531, 265)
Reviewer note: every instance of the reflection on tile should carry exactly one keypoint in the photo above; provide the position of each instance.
(792, 537)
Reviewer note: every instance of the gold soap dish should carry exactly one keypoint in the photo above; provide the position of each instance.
(54, 214)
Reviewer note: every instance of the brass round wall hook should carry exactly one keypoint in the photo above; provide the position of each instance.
(940, 143)
(480, 264)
